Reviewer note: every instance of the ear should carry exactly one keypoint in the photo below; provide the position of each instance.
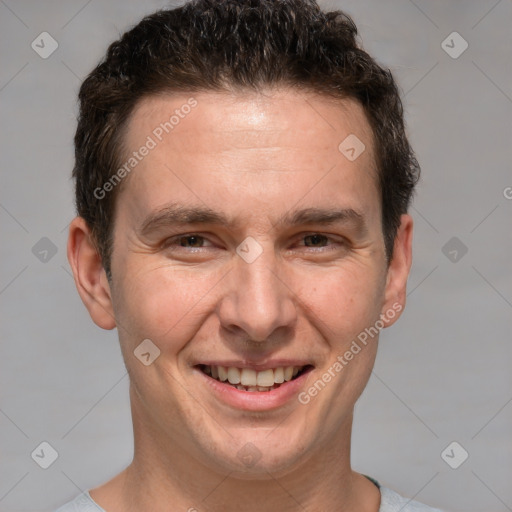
(398, 272)
(90, 277)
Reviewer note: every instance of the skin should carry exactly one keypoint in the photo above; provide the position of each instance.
(255, 158)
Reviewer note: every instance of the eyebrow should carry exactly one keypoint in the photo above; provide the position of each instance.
(175, 214)
(324, 216)
(178, 214)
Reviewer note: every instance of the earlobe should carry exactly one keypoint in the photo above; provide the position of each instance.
(398, 272)
(90, 277)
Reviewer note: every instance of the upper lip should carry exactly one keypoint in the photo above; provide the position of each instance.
(269, 364)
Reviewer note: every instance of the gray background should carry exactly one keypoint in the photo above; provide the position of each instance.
(443, 372)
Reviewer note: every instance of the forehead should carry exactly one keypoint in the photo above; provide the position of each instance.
(222, 147)
(252, 118)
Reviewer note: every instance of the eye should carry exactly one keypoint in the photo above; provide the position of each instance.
(316, 240)
(320, 245)
(191, 240)
(188, 241)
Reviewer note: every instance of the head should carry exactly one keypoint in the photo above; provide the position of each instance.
(242, 184)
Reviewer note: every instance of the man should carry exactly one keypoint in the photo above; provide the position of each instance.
(242, 184)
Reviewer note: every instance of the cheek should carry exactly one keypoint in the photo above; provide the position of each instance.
(342, 306)
(162, 304)
(342, 302)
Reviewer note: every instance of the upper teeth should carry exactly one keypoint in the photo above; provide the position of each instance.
(250, 377)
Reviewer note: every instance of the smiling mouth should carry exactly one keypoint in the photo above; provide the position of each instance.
(247, 379)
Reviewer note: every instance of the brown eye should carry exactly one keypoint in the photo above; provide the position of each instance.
(191, 241)
(315, 240)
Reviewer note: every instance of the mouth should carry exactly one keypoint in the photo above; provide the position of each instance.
(252, 380)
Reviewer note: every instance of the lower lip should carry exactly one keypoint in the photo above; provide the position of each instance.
(256, 400)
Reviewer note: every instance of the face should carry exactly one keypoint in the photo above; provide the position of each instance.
(248, 248)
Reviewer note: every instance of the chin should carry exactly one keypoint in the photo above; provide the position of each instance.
(260, 454)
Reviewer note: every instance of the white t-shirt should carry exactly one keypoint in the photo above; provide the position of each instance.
(390, 501)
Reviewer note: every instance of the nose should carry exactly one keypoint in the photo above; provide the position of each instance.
(259, 301)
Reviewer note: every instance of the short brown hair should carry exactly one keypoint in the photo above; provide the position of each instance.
(221, 45)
